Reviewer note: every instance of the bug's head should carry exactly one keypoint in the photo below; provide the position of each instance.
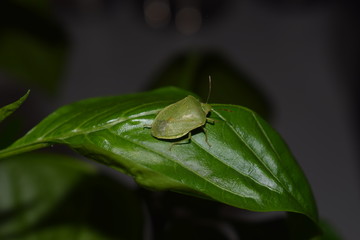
(206, 107)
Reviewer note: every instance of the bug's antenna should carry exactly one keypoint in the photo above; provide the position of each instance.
(209, 89)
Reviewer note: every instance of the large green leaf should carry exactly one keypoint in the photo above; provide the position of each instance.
(47, 196)
(248, 165)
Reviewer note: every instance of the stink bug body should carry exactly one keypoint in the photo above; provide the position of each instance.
(180, 118)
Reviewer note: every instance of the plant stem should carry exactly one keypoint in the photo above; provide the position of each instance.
(11, 151)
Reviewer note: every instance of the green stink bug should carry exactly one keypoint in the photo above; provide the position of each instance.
(180, 118)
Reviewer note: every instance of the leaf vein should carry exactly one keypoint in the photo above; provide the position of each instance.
(241, 173)
(250, 148)
(184, 166)
(276, 152)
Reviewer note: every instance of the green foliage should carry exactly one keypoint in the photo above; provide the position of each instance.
(248, 165)
(47, 196)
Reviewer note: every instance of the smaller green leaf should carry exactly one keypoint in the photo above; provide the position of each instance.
(329, 232)
(48, 196)
(301, 227)
(10, 108)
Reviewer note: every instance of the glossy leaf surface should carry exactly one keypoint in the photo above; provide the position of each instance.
(47, 196)
(248, 165)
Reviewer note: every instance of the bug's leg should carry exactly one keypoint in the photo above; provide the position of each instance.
(210, 120)
(206, 139)
(188, 139)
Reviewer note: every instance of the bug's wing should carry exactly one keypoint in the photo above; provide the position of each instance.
(179, 128)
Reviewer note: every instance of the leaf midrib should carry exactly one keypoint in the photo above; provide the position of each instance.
(101, 127)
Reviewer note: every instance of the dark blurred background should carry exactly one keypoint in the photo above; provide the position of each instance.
(301, 55)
